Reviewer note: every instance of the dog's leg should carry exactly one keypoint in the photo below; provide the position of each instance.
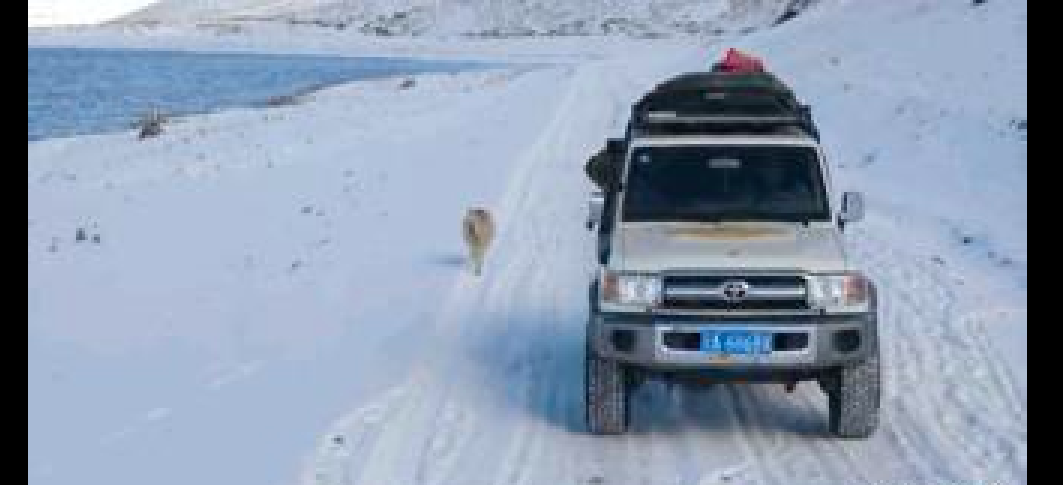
(470, 245)
(470, 262)
(478, 261)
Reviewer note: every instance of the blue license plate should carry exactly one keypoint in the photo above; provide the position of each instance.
(735, 342)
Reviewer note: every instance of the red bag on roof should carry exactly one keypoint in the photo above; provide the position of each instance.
(738, 62)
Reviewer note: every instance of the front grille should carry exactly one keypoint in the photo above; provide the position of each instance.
(760, 292)
(707, 304)
(771, 280)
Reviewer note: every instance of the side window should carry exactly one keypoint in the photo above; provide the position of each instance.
(617, 150)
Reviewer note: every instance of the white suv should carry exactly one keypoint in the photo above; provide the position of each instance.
(722, 259)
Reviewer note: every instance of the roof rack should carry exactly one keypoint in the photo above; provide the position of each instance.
(672, 123)
(717, 103)
(697, 129)
(671, 117)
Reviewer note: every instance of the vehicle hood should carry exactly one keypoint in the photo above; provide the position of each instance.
(661, 246)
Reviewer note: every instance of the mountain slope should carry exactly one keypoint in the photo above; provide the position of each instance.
(489, 17)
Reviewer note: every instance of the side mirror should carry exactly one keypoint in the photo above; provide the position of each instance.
(616, 146)
(595, 207)
(852, 208)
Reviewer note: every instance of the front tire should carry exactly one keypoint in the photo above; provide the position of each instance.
(608, 388)
(853, 399)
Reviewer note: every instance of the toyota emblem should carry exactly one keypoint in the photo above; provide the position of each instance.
(736, 290)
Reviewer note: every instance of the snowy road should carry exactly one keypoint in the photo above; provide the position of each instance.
(497, 397)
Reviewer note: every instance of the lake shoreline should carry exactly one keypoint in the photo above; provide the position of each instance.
(106, 99)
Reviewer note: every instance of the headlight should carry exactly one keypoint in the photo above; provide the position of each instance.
(631, 289)
(837, 291)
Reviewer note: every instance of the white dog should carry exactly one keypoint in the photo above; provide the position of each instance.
(479, 230)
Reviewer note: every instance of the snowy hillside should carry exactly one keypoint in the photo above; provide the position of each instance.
(488, 17)
(277, 296)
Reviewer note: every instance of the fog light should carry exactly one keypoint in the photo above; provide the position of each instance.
(790, 341)
(847, 340)
(623, 340)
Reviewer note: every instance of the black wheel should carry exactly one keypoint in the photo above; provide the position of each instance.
(853, 398)
(608, 387)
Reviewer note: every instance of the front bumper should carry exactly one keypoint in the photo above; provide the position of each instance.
(800, 342)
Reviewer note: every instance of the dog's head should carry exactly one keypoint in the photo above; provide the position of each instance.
(479, 213)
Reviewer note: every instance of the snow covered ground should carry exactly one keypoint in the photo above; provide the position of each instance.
(488, 18)
(277, 296)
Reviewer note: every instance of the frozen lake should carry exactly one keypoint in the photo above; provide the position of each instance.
(81, 91)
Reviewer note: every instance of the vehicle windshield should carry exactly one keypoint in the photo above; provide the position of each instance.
(716, 183)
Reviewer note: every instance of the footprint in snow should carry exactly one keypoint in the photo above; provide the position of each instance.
(868, 159)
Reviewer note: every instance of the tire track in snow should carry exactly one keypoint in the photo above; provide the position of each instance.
(940, 408)
(540, 213)
(828, 453)
(761, 452)
(388, 451)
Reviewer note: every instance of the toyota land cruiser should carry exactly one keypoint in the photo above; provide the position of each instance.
(722, 257)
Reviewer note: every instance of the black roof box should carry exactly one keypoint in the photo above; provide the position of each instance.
(724, 80)
(714, 102)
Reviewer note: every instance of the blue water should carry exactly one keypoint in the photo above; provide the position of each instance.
(82, 91)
